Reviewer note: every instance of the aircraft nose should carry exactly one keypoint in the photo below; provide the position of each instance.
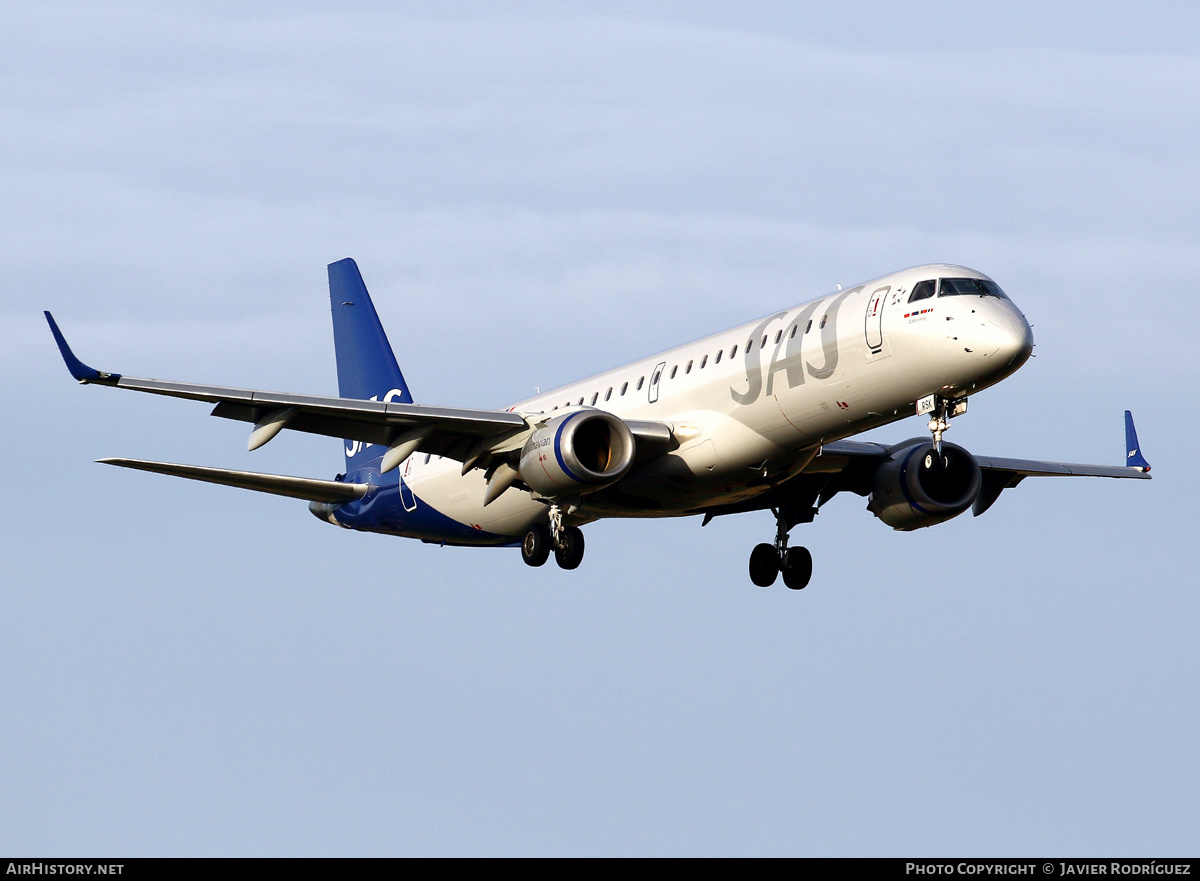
(1018, 340)
(1012, 337)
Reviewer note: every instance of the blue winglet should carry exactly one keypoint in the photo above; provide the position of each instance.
(78, 369)
(1133, 451)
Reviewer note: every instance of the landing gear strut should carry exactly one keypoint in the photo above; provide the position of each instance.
(565, 541)
(767, 561)
(939, 422)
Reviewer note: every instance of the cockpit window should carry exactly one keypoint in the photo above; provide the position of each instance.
(979, 287)
(922, 290)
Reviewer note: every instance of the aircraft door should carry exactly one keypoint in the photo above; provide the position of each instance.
(874, 319)
(407, 499)
(655, 378)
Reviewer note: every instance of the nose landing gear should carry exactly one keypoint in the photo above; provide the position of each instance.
(938, 426)
(768, 561)
(942, 409)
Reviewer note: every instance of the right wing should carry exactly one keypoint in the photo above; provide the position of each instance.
(999, 473)
(842, 452)
(850, 466)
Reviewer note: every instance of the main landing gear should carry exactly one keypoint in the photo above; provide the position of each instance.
(768, 561)
(565, 541)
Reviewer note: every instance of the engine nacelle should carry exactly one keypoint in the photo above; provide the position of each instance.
(577, 452)
(916, 487)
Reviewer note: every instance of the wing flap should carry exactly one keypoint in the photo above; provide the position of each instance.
(372, 422)
(308, 488)
(454, 430)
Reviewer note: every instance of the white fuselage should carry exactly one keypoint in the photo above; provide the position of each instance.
(750, 405)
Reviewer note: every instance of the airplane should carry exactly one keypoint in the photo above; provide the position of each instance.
(757, 417)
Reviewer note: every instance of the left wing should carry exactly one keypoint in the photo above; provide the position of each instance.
(453, 433)
(461, 434)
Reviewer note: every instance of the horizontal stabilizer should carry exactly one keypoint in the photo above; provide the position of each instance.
(308, 488)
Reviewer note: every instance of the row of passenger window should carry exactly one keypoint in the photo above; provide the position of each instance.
(608, 394)
(690, 364)
(954, 287)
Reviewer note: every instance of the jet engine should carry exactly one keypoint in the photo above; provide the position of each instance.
(577, 452)
(916, 487)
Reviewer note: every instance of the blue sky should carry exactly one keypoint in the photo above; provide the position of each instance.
(535, 193)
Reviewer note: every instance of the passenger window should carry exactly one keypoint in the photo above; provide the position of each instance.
(580, 404)
(688, 369)
(595, 398)
(703, 361)
(717, 360)
(824, 318)
(428, 456)
(763, 344)
(608, 394)
(922, 290)
(792, 335)
(733, 352)
(749, 344)
(808, 326)
(639, 385)
(674, 370)
(778, 337)
(624, 386)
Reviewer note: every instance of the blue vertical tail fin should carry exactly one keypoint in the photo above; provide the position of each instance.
(366, 367)
(1133, 450)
